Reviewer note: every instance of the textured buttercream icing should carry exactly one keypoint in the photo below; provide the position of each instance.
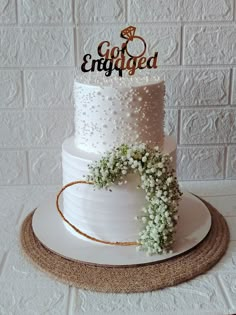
(100, 213)
(110, 112)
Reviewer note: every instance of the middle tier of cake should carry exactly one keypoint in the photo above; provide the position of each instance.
(103, 214)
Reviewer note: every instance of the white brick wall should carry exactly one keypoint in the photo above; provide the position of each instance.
(42, 41)
(10, 89)
(48, 89)
(45, 166)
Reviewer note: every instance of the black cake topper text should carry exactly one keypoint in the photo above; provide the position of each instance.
(120, 58)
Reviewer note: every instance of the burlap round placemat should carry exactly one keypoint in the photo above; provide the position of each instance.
(133, 278)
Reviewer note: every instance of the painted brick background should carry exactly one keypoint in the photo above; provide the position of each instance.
(41, 42)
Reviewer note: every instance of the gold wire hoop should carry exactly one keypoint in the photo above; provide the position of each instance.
(78, 230)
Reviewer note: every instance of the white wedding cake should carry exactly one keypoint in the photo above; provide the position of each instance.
(109, 113)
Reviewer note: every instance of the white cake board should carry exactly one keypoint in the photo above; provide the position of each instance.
(194, 224)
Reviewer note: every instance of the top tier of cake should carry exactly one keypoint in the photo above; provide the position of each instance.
(122, 110)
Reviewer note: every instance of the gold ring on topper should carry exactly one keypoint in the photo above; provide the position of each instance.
(129, 34)
(78, 230)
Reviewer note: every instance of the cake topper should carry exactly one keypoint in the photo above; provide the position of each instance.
(121, 58)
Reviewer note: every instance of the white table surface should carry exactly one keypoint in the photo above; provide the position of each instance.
(24, 290)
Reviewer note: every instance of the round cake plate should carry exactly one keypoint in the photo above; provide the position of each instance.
(194, 224)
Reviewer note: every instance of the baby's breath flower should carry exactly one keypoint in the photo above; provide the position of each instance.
(159, 173)
(144, 159)
(158, 181)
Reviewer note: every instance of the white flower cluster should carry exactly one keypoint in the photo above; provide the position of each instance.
(160, 215)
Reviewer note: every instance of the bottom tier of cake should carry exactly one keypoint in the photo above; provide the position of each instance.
(103, 214)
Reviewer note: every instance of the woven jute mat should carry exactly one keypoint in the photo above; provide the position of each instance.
(140, 278)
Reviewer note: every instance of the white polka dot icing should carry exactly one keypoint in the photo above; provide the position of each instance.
(122, 110)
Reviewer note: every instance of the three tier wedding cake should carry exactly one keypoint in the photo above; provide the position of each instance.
(119, 134)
